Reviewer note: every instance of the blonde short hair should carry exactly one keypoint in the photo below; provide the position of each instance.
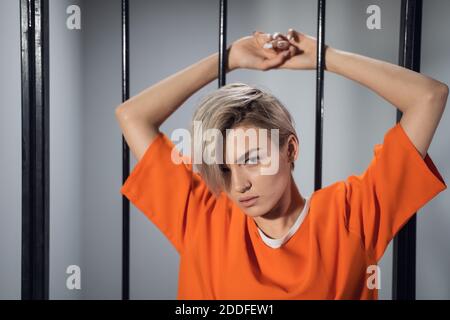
(233, 105)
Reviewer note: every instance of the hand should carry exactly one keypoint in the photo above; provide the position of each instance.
(305, 56)
(249, 52)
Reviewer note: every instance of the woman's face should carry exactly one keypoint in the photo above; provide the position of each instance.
(263, 173)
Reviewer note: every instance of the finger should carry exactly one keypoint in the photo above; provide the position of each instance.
(268, 45)
(293, 50)
(280, 41)
(276, 35)
(263, 39)
(295, 44)
(282, 44)
(293, 34)
(281, 37)
(290, 33)
(277, 44)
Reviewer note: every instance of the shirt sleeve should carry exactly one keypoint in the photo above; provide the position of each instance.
(395, 185)
(171, 195)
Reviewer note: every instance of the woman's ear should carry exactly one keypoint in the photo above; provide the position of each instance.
(293, 148)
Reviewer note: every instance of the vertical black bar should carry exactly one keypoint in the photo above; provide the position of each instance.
(223, 58)
(26, 21)
(404, 260)
(35, 149)
(125, 156)
(319, 93)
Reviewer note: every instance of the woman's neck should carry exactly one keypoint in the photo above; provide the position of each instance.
(277, 222)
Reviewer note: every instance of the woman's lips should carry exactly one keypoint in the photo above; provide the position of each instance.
(249, 202)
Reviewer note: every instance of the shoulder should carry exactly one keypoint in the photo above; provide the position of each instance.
(328, 203)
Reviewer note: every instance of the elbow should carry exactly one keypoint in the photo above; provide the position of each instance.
(445, 92)
(442, 95)
(118, 112)
(442, 91)
(121, 113)
(439, 95)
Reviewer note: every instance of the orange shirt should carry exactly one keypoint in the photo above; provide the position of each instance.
(347, 228)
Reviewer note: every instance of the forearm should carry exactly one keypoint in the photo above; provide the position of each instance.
(156, 103)
(401, 87)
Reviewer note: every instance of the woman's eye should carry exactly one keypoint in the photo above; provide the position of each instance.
(253, 160)
(224, 169)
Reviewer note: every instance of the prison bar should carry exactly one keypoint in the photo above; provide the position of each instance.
(223, 57)
(125, 155)
(319, 93)
(34, 39)
(404, 256)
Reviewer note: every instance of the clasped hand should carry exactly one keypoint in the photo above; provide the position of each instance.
(265, 51)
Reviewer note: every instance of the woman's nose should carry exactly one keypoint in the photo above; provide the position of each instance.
(240, 182)
(242, 189)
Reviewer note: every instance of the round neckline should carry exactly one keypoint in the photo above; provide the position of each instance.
(293, 231)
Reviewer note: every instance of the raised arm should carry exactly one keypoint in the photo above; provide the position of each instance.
(421, 98)
(141, 116)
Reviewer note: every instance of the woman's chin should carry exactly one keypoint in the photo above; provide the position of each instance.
(253, 211)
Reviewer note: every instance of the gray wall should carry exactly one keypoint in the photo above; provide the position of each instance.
(66, 149)
(433, 221)
(11, 151)
(102, 156)
(86, 139)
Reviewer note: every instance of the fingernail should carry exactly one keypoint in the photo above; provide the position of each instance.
(268, 45)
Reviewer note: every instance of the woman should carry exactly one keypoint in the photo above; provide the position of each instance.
(242, 234)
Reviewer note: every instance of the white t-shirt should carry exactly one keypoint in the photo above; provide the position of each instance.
(276, 243)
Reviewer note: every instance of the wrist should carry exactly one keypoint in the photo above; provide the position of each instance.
(330, 59)
(231, 66)
(230, 63)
